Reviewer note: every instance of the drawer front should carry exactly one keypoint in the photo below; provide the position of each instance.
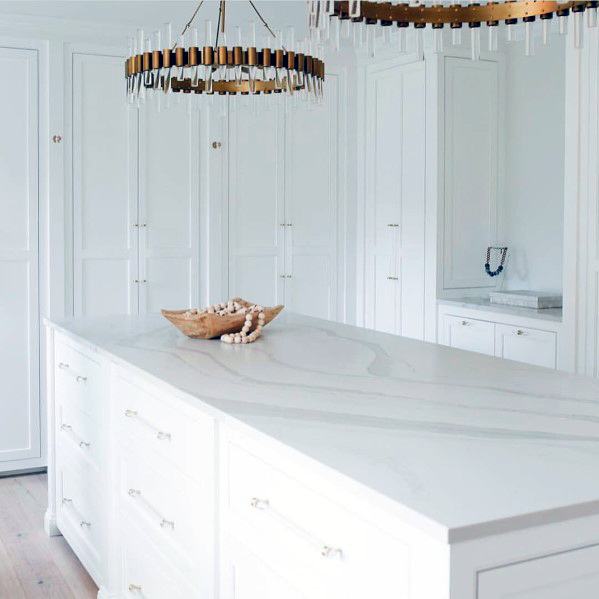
(78, 378)
(170, 507)
(330, 551)
(574, 574)
(470, 334)
(78, 435)
(150, 422)
(79, 515)
(245, 576)
(527, 345)
(145, 573)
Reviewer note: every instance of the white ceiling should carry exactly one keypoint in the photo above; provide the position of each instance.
(153, 13)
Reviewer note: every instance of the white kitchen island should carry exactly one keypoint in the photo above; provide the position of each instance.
(322, 462)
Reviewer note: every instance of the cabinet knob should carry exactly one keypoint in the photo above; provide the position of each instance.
(393, 225)
(85, 524)
(393, 278)
(465, 323)
(217, 145)
(63, 365)
(56, 139)
(520, 332)
(134, 588)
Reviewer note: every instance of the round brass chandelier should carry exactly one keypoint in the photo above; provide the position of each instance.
(211, 67)
(455, 16)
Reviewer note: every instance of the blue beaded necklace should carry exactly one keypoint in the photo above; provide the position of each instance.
(499, 270)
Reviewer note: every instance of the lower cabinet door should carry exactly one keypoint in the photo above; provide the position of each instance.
(570, 575)
(469, 334)
(526, 345)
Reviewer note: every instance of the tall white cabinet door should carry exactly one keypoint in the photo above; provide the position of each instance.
(471, 169)
(395, 200)
(169, 164)
(311, 206)
(19, 335)
(104, 149)
(256, 189)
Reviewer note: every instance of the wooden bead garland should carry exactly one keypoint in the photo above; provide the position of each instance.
(233, 307)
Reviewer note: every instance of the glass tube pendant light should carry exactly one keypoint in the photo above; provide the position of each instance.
(190, 65)
(472, 15)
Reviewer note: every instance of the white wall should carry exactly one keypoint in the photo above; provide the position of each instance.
(534, 166)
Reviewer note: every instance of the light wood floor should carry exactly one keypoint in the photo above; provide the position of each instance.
(32, 564)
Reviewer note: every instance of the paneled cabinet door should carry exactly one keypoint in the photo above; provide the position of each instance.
(469, 334)
(19, 335)
(526, 345)
(395, 199)
(104, 172)
(311, 206)
(169, 180)
(256, 214)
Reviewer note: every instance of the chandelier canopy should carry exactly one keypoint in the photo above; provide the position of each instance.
(213, 67)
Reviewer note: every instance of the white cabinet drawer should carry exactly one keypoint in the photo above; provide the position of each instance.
(469, 334)
(526, 345)
(78, 435)
(331, 552)
(170, 507)
(79, 514)
(570, 575)
(145, 573)
(78, 378)
(150, 421)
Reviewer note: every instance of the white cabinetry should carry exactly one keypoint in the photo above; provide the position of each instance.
(20, 444)
(526, 345)
(283, 204)
(469, 334)
(135, 196)
(569, 574)
(395, 199)
(504, 335)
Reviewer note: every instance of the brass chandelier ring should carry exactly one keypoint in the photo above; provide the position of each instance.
(455, 15)
(150, 69)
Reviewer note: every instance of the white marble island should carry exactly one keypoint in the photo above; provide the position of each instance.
(323, 461)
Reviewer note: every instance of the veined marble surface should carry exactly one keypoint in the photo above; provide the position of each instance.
(484, 304)
(466, 444)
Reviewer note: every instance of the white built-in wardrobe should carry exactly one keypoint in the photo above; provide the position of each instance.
(135, 196)
(20, 431)
(284, 202)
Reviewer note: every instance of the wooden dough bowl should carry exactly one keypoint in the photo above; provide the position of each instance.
(209, 326)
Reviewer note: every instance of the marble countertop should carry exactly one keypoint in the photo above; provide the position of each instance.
(464, 444)
(484, 303)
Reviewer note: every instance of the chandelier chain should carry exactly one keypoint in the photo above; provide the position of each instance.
(188, 24)
(265, 23)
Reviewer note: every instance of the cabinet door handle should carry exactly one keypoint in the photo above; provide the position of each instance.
(325, 550)
(160, 435)
(520, 332)
(134, 588)
(162, 521)
(393, 278)
(67, 428)
(81, 379)
(63, 365)
(465, 323)
(85, 524)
